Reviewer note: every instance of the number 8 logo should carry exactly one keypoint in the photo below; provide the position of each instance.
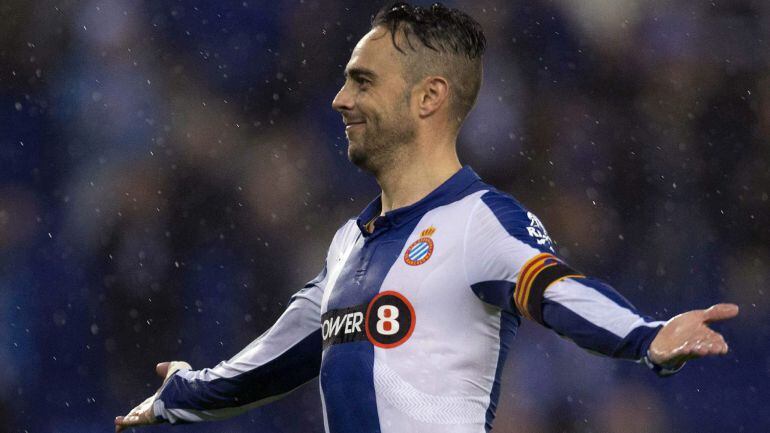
(387, 325)
(390, 320)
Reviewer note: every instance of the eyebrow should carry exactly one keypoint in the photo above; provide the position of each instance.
(359, 72)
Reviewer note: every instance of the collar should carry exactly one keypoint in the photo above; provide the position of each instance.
(444, 194)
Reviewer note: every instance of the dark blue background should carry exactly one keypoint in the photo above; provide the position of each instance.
(171, 172)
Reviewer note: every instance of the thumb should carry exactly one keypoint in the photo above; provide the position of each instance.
(168, 368)
(162, 369)
(720, 312)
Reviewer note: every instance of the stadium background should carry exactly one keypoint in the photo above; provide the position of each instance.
(171, 172)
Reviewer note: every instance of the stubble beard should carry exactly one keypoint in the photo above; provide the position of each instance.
(382, 143)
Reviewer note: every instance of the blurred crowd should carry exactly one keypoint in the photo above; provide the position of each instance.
(172, 171)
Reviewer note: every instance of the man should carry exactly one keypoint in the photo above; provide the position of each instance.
(411, 318)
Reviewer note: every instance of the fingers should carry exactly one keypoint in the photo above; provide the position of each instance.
(124, 422)
(720, 312)
(135, 420)
(140, 415)
(130, 420)
(143, 413)
(710, 343)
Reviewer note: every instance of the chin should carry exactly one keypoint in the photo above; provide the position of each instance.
(357, 157)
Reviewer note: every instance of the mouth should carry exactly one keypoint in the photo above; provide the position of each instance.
(351, 125)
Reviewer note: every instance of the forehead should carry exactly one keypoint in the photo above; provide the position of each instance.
(375, 52)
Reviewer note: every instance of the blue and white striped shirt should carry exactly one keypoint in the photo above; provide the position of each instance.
(409, 326)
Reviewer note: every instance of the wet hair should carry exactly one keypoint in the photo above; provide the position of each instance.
(448, 42)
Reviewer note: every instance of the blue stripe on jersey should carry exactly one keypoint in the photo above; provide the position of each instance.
(276, 377)
(573, 326)
(347, 377)
(498, 293)
(347, 383)
(513, 217)
(509, 323)
(636, 343)
(595, 338)
(347, 370)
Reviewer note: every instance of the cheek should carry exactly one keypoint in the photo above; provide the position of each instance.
(363, 101)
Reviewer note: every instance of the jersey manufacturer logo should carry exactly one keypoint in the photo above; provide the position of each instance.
(386, 321)
(421, 249)
(537, 230)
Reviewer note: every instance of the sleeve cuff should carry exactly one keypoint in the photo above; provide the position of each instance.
(158, 410)
(159, 406)
(662, 370)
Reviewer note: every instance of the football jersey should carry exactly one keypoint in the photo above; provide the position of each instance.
(408, 326)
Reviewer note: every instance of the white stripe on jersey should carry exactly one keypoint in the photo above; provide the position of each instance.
(350, 237)
(441, 379)
(596, 308)
(428, 408)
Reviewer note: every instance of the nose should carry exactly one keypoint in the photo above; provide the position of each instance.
(343, 101)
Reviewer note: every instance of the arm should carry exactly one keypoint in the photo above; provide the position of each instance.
(585, 310)
(518, 259)
(598, 318)
(280, 360)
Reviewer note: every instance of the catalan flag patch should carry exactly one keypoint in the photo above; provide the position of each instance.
(536, 275)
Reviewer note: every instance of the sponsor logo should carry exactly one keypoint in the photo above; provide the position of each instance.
(390, 320)
(386, 321)
(420, 250)
(343, 325)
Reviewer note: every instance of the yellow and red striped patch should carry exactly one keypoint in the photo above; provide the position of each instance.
(532, 269)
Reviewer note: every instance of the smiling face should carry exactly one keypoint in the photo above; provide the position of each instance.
(375, 103)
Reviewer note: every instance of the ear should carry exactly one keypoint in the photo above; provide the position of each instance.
(434, 95)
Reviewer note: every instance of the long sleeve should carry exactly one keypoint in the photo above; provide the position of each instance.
(511, 263)
(585, 310)
(280, 360)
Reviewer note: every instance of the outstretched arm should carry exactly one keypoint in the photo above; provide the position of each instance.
(280, 360)
(511, 263)
(596, 317)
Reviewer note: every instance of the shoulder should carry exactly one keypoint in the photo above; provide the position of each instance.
(500, 209)
(507, 210)
(345, 234)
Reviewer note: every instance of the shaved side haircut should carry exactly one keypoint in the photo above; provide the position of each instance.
(438, 41)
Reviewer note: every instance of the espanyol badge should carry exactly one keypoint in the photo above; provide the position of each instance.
(421, 249)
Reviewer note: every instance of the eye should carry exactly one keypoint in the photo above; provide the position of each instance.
(363, 83)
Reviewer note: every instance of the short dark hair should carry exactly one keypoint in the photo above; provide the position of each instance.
(455, 45)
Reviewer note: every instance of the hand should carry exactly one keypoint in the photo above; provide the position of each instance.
(687, 336)
(143, 413)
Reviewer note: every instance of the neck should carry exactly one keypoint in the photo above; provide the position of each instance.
(415, 176)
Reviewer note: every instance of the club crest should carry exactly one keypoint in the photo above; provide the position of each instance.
(421, 249)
